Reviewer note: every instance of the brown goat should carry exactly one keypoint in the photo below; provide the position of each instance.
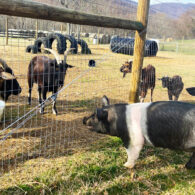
(174, 85)
(148, 78)
(49, 74)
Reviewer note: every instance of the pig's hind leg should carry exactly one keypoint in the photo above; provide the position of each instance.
(191, 163)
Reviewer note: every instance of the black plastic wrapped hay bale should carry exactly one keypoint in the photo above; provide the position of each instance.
(126, 46)
(32, 48)
(191, 91)
(61, 42)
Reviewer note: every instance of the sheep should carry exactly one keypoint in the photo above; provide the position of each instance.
(165, 124)
(8, 82)
(174, 86)
(49, 74)
(148, 78)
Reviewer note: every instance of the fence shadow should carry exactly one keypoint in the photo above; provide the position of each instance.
(49, 136)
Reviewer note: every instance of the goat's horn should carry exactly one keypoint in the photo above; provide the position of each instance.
(7, 76)
(67, 52)
(57, 57)
(3, 63)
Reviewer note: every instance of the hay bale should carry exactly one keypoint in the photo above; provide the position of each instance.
(126, 46)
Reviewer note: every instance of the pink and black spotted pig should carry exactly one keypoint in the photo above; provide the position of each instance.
(166, 124)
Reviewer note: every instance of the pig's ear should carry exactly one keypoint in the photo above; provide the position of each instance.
(102, 114)
(105, 101)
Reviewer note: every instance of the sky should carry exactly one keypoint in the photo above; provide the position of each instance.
(171, 1)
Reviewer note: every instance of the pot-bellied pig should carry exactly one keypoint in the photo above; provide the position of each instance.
(166, 124)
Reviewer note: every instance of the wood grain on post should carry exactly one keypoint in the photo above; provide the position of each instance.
(6, 29)
(61, 28)
(140, 37)
(37, 27)
(31, 9)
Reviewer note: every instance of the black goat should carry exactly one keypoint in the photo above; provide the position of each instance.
(49, 74)
(8, 83)
(174, 86)
(148, 78)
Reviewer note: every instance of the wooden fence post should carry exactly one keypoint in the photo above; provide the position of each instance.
(37, 27)
(61, 28)
(6, 29)
(140, 37)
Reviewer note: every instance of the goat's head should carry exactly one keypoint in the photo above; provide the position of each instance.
(62, 66)
(165, 81)
(8, 83)
(126, 68)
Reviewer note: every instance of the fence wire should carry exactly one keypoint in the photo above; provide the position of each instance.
(28, 135)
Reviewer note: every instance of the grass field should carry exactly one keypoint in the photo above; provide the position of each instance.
(58, 155)
(180, 46)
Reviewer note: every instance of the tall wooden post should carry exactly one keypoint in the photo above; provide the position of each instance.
(37, 27)
(98, 36)
(140, 37)
(6, 29)
(61, 28)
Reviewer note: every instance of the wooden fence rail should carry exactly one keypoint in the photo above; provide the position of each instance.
(30, 9)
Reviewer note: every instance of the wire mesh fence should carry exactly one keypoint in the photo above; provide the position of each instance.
(25, 133)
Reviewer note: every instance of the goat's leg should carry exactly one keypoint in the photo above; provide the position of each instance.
(191, 163)
(30, 85)
(29, 96)
(170, 95)
(54, 109)
(151, 97)
(141, 99)
(143, 94)
(44, 93)
(40, 99)
(176, 98)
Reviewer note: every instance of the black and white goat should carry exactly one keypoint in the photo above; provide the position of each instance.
(49, 74)
(166, 124)
(8, 82)
(174, 85)
(148, 78)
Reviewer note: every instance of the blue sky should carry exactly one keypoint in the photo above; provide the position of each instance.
(171, 1)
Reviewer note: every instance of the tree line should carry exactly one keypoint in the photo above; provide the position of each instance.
(160, 25)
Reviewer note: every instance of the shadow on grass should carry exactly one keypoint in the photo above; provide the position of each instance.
(57, 137)
(105, 171)
(47, 136)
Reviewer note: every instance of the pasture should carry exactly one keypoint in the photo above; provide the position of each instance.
(58, 155)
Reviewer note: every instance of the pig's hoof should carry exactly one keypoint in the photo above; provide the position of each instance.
(129, 165)
(190, 165)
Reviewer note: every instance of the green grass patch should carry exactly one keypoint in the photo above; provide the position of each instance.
(180, 46)
(99, 170)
